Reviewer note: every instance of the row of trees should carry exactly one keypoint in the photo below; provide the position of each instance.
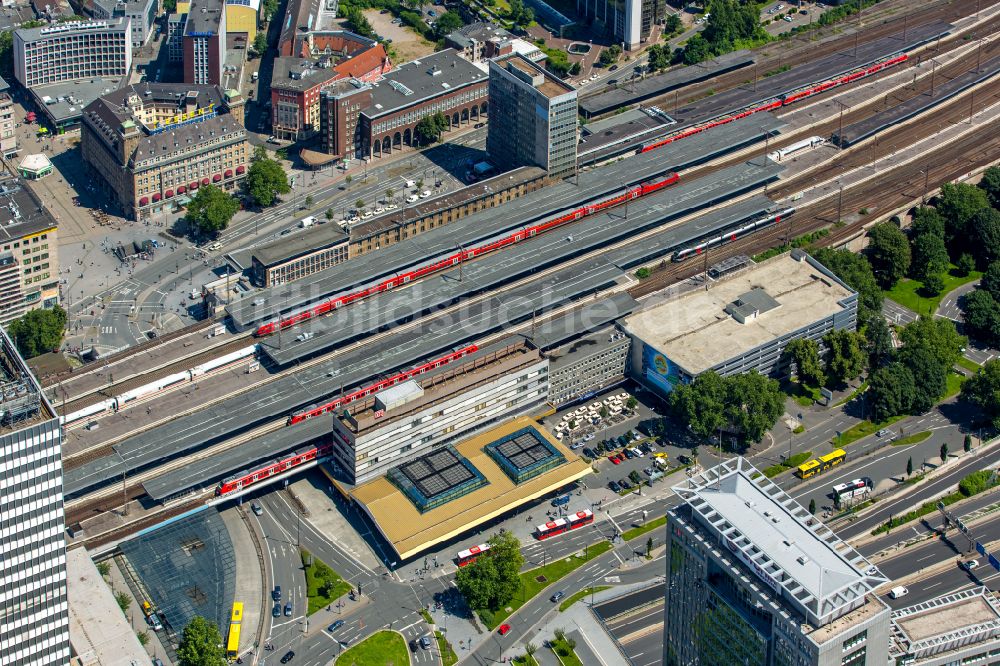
(38, 331)
(730, 25)
(845, 358)
(749, 404)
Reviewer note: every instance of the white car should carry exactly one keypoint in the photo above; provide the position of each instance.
(367, 214)
(390, 206)
(425, 194)
(215, 246)
(412, 198)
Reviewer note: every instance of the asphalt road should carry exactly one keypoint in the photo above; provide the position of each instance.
(640, 634)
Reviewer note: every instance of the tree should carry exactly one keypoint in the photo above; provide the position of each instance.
(878, 343)
(991, 280)
(845, 358)
(933, 285)
(985, 228)
(909, 467)
(359, 24)
(631, 403)
(929, 377)
(649, 546)
(938, 336)
(944, 452)
(7, 53)
(328, 214)
(673, 25)
(983, 390)
(38, 331)
(805, 354)
(347, 180)
(530, 648)
(104, 568)
(430, 127)
(265, 180)
(890, 390)
(930, 256)
(965, 264)
(990, 184)
(701, 404)
(889, 253)
(448, 22)
(967, 443)
(856, 272)
(575, 69)
(201, 644)
(659, 57)
(389, 192)
(696, 50)
(309, 201)
(493, 579)
(754, 404)
(927, 220)
(610, 55)
(211, 209)
(359, 205)
(124, 601)
(982, 316)
(958, 204)
(812, 506)
(260, 43)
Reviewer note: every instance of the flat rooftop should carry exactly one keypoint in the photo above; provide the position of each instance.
(32, 215)
(65, 101)
(581, 321)
(410, 532)
(820, 575)
(548, 86)
(300, 242)
(422, 79)
(946, 622)
(98, 631)
(696, 331)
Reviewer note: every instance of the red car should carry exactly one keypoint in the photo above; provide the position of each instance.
(504, 628)
(615, 459)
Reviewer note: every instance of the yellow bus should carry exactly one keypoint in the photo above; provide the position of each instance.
(235, 620)
(821, 464)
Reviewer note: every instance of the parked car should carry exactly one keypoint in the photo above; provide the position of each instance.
(412, 198)
(336, 625)
(614, 486)
(897, 592)
(589, 452)
(625, 484)
(969, 565)
(288, 609)
(288, 657)
(883, 432)
(504, 628)
(629, 453)
(615, 459)
(276, 611)
(276, 593)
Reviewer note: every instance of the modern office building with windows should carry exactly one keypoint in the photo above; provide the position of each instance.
(581, 368)
(487, 387)
(742, 323)
(153, 144)
(141, 13)
(627, 22)
(204, 42)
(73, 51)
(29, 251)
(34, 611)
(533, 117)
(753, 579)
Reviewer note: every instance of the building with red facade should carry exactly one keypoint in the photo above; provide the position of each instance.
(322, 59)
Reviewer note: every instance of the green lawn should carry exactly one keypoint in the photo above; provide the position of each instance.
(863, 429)
(448, 656)
(969, 365)
(580, 595)
(906, 291)
(954, 383)
(912, 439)
(325, 585)
(386, 648)
(650, 525)
(550, 573)
(525, 660)
(854, 394)
(564, 653)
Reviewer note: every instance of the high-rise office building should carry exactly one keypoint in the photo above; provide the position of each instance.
(73, 51)
(627, 22)
(753, 579)
(34, 612)
(532, 117)
(204, 42)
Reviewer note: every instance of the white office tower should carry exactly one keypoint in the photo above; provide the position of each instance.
(34, 615)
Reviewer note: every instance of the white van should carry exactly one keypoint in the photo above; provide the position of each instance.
(897, 592)
(307, 222)
(411, 183)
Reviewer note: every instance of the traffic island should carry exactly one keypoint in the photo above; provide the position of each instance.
(385, 648)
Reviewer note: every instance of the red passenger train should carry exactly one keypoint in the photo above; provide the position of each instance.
(781, 100)
(560, 525)
(273, 468)
(341, 300)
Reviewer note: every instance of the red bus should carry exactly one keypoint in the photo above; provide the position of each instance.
(472, 554)
(560, 525)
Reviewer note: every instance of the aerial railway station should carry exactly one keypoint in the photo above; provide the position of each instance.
(480, 228)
